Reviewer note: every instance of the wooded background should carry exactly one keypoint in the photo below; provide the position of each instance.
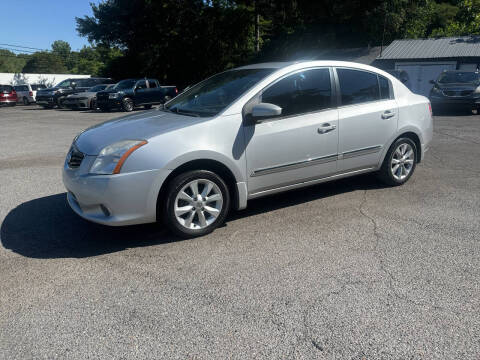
(183, 41)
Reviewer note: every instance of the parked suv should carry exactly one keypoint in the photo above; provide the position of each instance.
(456, 89)
(131, 93)
(242, 134)
(49, 98)
(8, 95)
(27, 93)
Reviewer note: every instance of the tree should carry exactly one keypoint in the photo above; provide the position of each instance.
(43, 62)
(62, 49)
(10, 62)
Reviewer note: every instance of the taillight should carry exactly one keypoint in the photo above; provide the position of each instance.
(14, 92)
(30, 93)
(430, 108)
(176, 91)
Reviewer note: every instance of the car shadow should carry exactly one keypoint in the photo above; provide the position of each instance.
(46, 228)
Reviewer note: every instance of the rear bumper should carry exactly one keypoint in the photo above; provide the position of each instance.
(122, 199)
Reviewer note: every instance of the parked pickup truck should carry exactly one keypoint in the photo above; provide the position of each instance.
(49, 98)
(131, 93)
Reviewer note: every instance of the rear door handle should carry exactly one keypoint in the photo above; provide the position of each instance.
(388, 114)
(325, 128)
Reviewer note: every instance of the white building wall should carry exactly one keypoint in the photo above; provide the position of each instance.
(47, 79)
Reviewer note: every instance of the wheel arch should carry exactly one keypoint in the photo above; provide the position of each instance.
(215, 166)
(410, 133)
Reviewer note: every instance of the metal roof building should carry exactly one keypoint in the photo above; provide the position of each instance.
(425, 59)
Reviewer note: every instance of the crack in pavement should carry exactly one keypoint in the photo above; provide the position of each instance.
(457, 137)
(383, 268)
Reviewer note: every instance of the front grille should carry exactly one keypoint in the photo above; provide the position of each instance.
(102, 96)
(467, 92)
(457, 93)
(450, 92)
(74, 158)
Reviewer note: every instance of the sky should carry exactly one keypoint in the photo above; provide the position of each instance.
(38, 23)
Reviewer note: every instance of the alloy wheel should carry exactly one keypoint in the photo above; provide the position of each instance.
(402, 162)
(198, 204)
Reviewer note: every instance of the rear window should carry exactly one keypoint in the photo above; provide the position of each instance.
(6, 88)
(38, 87)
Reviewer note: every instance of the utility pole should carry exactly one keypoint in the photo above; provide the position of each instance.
(257, 26)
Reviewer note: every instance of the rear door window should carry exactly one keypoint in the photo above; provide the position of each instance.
(357, 86)
(302, 92)
(384, 84)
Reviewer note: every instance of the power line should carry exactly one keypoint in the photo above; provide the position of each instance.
(24, 47)
(19, 50)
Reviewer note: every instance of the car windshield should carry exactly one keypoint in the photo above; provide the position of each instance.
(458, 77)
(97, 88)
(214, 94)
(125, 84)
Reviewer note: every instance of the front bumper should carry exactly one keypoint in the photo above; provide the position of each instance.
(76, 103)
(46, 100)
(109, 103)
(122, 199)
(454, 100)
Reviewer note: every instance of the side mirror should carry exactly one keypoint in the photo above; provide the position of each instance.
(264, 111)
(433, 82)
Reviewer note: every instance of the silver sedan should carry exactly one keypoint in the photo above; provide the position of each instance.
(242, 134)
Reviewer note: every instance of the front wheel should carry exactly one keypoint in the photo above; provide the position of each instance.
(127, 104)
(399, 163)
(196, 203)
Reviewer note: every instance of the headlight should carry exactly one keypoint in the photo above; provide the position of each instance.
(436, 90)
(477, 90)
(111, 158)
(113, 95)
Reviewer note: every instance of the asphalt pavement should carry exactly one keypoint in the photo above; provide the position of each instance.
(344, 270)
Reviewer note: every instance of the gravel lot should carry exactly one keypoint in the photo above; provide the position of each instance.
(345, 270)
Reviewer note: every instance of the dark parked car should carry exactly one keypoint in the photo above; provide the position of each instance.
(86, 99)
(51, 97)
(8, 95)
(131, 93)
(456, 88)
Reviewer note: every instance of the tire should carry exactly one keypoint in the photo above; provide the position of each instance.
(60, 103)
(194, 219)
(403, 152)
(127, 104)
(148, 106)
(25, 101)
(47, 107)
(13, 104)
(104, 108)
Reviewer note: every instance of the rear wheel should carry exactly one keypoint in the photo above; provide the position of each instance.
(197, 202)
(399, 163)
(25, 101)
(127, 104)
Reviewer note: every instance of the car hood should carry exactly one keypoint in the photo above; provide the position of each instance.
(460, 86)
(141, 126)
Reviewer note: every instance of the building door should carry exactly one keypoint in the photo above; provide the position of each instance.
(420, 74)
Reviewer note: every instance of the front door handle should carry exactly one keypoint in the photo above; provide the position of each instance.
(325, 128)
(388, 114)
